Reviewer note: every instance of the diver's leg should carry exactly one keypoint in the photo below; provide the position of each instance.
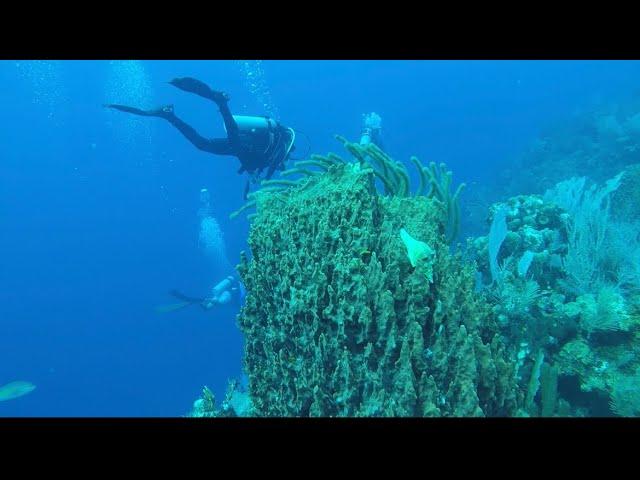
(218, 146)
(221, 99)
(193, 85)
(229, 123)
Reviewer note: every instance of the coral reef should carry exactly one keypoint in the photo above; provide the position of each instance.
(625, 201)
(577, 347)
(357, 306)
(393, 176)
(339, 322)
(533, 226)
(237, 403)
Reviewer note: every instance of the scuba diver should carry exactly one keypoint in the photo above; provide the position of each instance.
(229, 290)
(260, 143)
(371, 130)
(223, 293)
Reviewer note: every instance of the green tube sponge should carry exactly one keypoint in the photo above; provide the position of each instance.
(419, 253)
(249, 204)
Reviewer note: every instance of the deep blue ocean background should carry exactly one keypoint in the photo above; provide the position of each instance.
(98, 209)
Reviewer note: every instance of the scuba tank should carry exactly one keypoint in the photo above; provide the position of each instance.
(222, 286)
(253, 124)
(265, 132)
(265, 139)
(260, 129)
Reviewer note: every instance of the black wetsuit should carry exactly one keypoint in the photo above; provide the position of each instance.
(254, 151)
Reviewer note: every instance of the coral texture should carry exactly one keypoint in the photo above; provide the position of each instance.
(338, 322)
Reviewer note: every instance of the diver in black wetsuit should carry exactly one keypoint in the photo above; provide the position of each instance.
(258, 142)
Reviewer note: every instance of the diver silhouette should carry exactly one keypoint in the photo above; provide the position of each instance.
(229, 290)
(258, 142)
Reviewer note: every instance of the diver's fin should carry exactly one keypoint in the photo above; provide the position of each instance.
(184, 298)
(172, 307)
(164, 111)
(193, 85)
(186, 301)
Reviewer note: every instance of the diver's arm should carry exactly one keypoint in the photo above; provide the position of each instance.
(283, 148)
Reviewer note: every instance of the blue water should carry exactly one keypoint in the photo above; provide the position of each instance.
(98, 209)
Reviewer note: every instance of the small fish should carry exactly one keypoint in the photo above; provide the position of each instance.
(15, 389)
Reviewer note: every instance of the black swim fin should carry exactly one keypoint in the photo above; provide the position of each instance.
(186, 301)
(184, 298)
(193, 85)
(172, 307)
(164, 111)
